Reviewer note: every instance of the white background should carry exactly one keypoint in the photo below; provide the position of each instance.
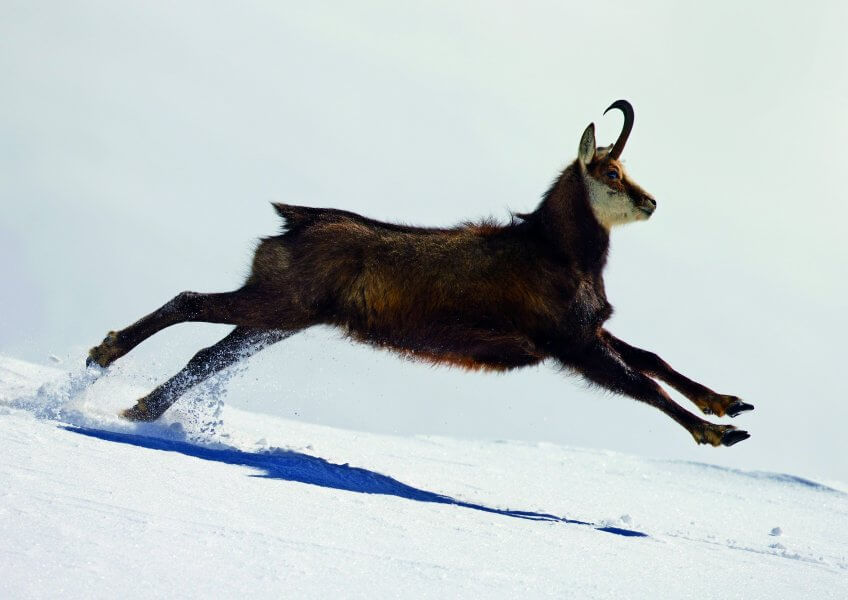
(140, 144)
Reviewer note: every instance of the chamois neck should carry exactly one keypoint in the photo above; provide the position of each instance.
(566, 217)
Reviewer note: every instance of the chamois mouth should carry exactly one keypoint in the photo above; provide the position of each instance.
(647, 205)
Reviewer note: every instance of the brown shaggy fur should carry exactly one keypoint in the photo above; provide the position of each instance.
(478, 296)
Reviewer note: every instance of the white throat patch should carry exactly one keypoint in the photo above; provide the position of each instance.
(611, 207)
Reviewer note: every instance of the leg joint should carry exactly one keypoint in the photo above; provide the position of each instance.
(652, 360)
(183, 303)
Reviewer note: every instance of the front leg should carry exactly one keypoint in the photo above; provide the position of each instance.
(601, 364)
(703, 397)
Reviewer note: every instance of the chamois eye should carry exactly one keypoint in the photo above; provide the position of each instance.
(612, 174)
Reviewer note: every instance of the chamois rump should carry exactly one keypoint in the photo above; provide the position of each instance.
(479, 296)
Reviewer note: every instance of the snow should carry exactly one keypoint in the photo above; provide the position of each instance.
(214, 501)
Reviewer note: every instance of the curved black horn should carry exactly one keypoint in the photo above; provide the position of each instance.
(625, 107)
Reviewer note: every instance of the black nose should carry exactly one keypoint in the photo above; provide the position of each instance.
(647, 204)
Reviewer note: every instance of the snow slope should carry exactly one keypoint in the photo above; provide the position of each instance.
(219, 502)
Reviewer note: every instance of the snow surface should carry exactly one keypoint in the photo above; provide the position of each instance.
(213, 501)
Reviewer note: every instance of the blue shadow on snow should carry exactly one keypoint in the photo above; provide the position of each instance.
(302, 468)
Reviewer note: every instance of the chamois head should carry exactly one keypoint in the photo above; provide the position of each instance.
(614, 197)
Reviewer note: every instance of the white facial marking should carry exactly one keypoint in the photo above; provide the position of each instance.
(611, 207)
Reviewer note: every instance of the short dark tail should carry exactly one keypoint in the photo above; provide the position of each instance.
(296, 217)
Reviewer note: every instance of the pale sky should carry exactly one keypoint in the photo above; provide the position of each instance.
(140, 144)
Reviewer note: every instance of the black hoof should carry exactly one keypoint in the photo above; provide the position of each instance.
(734, 436)
(138, 413)
(738, 407)
(90, 363)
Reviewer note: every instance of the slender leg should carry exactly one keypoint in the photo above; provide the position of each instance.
(241, 343)
(605, 367)
(245, 307)
(703, 397)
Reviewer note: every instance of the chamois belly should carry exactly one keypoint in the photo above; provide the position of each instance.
(442, 330)
(455, 346)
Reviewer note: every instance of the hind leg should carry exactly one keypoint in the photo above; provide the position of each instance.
(244, 307)
(241, 343)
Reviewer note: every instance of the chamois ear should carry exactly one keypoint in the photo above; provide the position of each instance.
(586, 151)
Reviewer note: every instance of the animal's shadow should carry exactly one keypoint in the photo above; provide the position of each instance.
(289, 465)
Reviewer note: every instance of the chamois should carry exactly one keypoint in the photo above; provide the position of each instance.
(478, 295)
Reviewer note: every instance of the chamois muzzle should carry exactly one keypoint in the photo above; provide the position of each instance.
(625, 107)
(647, 205)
